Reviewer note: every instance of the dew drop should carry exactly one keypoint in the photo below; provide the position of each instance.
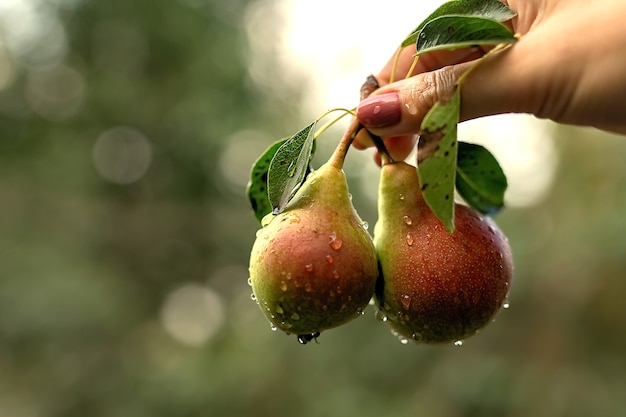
(417, 336)
(380, 315)
(335, 274)
(407, 220)
(376, 110)
(273, 327)
(365, 225)
(253, 297)
(458, 343)
(250, 281)
(330, 259)
(411, 108)
(403, 340)
(409, 239)
(506, 305)
(308, 287)
(308, 267)
(258, 232)
(283, 286)
(295, 317)
(335, 242)
(405, 299)
(401, 197)
(338, 290)
(279, 310)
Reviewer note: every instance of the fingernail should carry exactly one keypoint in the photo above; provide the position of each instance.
(379, 111)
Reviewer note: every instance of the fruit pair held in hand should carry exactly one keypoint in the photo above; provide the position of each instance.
(436, 286)
(313, 266)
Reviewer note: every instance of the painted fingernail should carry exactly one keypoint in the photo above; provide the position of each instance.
(379, 111)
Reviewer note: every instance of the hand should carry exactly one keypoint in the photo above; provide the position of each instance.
(568, 66)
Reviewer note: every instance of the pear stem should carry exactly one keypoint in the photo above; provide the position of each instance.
(339, 155)
(385, 156)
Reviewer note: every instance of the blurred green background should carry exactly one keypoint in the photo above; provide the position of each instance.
(127, 130)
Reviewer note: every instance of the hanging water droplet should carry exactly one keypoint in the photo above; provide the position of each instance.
(365, 225)
(506, 305)
(250, 281)
(273, 327)
(253, 297)
(401, 197)
(380, 315)
(409, 239)
(258, 232)
(403, 340)
(458, 343)
(407, 220)
(417, 336)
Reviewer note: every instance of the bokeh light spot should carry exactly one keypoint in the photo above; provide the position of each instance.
(55, 93)
(122, 155)
(193, 314)
(242, 149)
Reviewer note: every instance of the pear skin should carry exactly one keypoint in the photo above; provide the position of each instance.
(436, 286)
(313, 266)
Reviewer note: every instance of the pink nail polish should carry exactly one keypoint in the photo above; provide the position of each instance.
(379, 111)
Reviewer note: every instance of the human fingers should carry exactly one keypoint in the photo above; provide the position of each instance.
(514, 80)
(405, 65)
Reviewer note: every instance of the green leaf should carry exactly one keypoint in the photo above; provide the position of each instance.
(480, 179)
(489, 9)
(289, 167)
(453, 32)
(437, 173)
(257, 186)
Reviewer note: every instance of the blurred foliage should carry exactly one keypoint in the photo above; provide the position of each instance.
(127, 129)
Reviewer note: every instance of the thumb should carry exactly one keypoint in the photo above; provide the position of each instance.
(492, 87)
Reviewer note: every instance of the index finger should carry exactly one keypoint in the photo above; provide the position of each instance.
(401, 62)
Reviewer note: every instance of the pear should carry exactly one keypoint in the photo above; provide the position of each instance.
(436, 286)
(313, 266)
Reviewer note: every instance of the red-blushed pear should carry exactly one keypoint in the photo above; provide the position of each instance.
(436, 286)
(313, 266)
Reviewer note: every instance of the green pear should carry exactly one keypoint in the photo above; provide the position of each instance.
(313, 266)
(436, 286)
